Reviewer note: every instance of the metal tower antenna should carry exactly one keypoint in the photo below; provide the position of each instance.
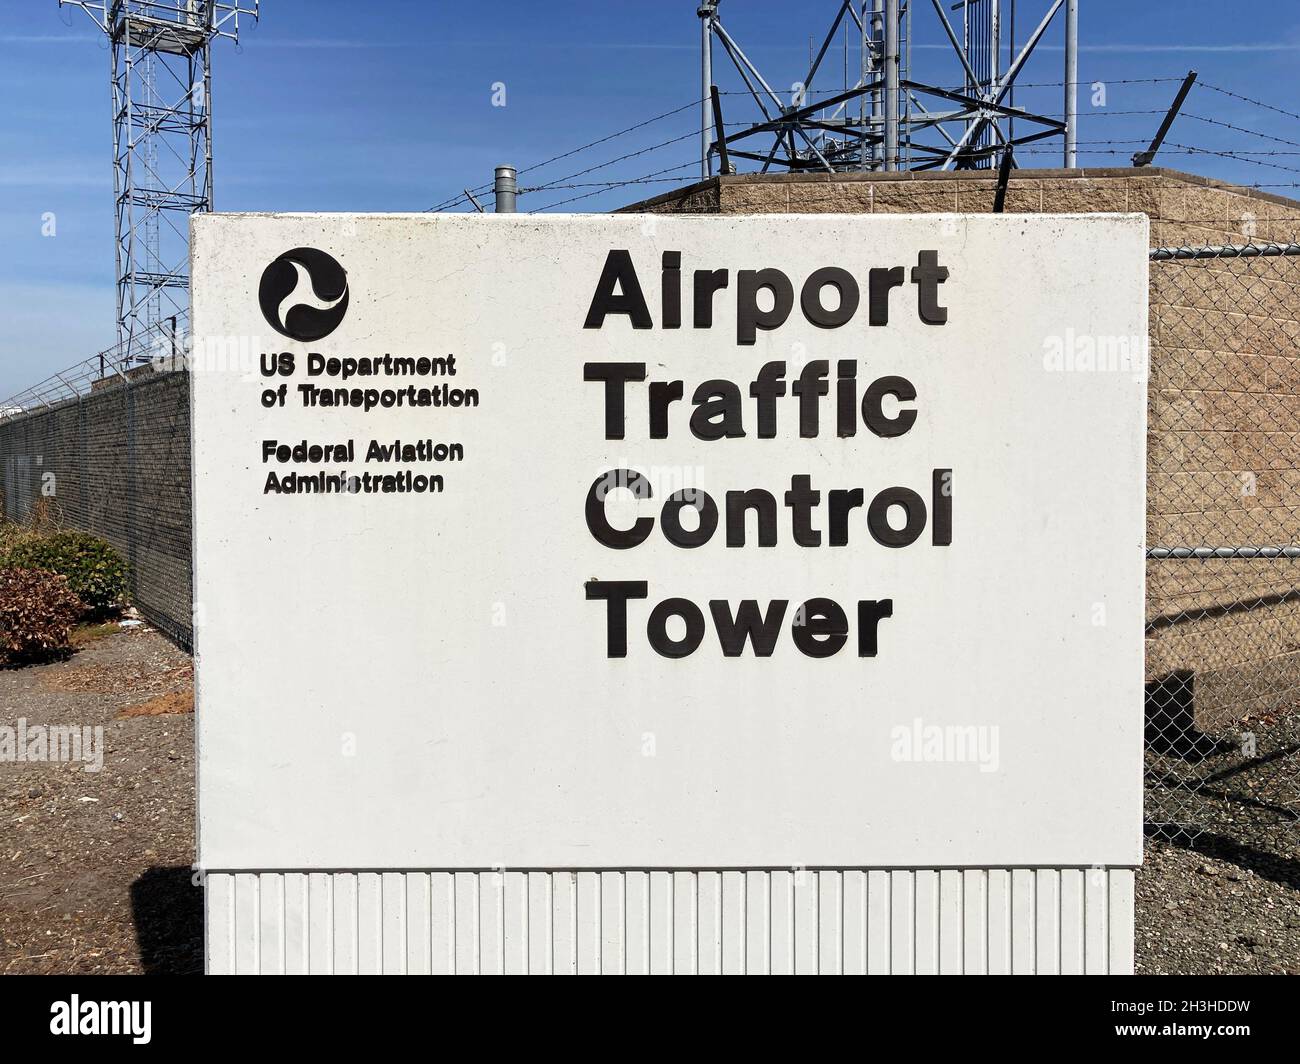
(162, 152)
(888, 121)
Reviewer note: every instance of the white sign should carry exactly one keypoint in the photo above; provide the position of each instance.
(617, 541)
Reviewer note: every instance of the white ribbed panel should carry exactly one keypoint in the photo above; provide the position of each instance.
(974, 921)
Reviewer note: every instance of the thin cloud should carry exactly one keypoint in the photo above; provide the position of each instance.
(588, 46)
(53, 175)
(247, 40)
(322, 42)
(1271, 46)
(45, 38)
(1268, 47)
(938, 46)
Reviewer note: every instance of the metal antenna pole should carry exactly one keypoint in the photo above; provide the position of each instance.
(708, 11)
(906, 61)
(995, 44)
(891, 84)
(506, 188)
(160, 79)
(877, 75)
(1011, 50)
(863, 25)
(1071, 80)
(888, 120)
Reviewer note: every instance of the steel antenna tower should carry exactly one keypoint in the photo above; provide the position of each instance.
(887, 120)
(161, 82)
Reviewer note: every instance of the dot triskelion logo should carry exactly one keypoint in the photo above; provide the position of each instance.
(304, 294)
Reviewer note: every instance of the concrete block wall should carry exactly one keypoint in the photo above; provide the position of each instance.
(1224, 392)
(1224, 469)
(1183, 208)
(115, 462)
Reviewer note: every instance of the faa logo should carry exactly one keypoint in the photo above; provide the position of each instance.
(304, 294)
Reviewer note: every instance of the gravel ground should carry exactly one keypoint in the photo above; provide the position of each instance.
(95, 866)
(1226, 897)
(1236, 911)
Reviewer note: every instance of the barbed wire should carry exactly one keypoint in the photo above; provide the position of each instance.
(1247, 99)
(630, 181)
(608, 184)
(840, 90)
(623, 158)
(1171, 148)
(590, 144)
(116, 362)
(1242, 129)
(568, 181)
(612, 136)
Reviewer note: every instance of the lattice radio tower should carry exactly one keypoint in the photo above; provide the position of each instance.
(161, 81)
(883, 119)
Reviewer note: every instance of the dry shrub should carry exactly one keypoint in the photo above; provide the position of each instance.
(37, 612)
(45, 516)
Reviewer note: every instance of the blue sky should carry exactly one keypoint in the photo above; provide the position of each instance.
(388, 106)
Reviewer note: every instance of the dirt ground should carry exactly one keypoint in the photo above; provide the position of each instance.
(95, 872)
(95, 866)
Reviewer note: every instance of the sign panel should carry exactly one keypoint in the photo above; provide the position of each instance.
(624, 541)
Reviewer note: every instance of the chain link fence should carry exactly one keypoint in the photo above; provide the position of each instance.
(1223, 539)
(104, 447)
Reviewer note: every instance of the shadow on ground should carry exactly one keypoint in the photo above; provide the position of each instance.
(1271, 866)
(167, 908)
